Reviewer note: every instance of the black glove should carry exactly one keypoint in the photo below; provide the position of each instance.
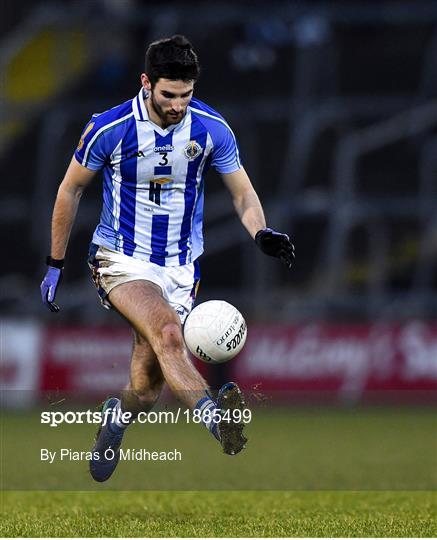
(275, 244)
(50, 283)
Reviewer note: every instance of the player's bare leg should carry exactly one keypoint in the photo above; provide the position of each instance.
(160, 353)
(146, 378)
(142, 304)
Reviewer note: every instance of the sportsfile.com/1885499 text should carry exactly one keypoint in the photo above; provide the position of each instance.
(56, 418)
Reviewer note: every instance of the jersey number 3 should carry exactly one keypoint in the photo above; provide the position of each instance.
(164, 159)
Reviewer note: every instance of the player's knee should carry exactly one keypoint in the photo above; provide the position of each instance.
(171, 337)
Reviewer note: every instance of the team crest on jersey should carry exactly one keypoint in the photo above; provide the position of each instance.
(84, 134)
(192, 150)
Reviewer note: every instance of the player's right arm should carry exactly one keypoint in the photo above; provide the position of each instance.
(89, 157)
(67, 201)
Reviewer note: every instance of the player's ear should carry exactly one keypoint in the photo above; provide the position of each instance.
(145, 81)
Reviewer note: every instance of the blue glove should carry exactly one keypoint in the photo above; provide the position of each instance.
(49, 286)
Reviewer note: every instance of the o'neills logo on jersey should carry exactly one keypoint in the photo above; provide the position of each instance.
(192, 150)
(165, 148)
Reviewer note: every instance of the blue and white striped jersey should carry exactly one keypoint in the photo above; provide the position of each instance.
(153, 178)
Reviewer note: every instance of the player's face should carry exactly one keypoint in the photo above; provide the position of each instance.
(169, 99)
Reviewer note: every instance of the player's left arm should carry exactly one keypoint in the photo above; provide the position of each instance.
(251, 214)
(246, 201)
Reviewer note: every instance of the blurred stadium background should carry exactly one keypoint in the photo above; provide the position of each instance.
(334, 105)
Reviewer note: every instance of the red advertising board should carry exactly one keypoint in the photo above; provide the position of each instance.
(348, 360)
(85, 359)
(341, 361)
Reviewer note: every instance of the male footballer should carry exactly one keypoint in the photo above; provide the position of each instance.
(154, 151)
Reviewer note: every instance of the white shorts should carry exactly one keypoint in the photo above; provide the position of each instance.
(178, 284)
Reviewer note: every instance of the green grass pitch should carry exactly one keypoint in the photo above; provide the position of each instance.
(306, 472)
(205, 514)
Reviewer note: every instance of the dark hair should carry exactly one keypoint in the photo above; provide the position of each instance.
(172, 58)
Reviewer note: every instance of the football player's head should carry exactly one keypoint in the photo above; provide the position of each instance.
(172, 58)
(172, 68)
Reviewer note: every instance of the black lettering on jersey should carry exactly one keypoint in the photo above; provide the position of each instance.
(129, 155)
(155, 192)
